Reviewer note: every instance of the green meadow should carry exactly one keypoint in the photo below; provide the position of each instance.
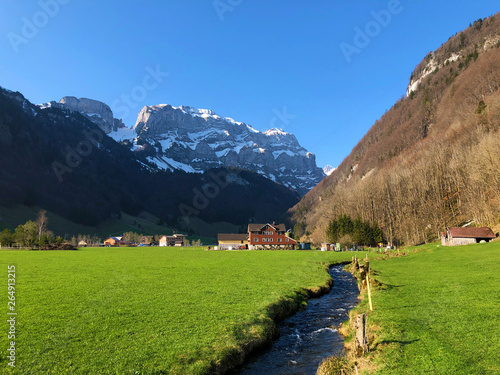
(437, 311)
(150, 310)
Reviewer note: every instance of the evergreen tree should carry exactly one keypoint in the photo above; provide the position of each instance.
(367, 234)
(358, 231)
(345, 225)
(332, 231)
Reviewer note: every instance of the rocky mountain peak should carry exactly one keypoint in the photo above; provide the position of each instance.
(96, 111)
(195, 140)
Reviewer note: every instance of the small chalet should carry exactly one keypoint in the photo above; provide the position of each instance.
(269, 236)
(113, 241)
(232, 241)
(466, 235)
(174, 240)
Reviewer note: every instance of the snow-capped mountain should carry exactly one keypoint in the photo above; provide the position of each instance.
(60, 160)
(198, 139)
(328, 169)
(195, 140)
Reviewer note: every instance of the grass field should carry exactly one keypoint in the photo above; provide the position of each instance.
(437, 311)
(148, 310)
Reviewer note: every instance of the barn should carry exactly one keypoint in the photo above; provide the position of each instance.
(467, 235)
(232, 241)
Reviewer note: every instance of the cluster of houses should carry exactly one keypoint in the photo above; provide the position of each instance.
(275, 236)
(258, 236)
(173, 240)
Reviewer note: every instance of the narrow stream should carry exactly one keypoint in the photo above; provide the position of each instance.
(306, 338)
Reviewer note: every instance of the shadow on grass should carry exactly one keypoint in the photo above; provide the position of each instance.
(397, 342)
(390, 286)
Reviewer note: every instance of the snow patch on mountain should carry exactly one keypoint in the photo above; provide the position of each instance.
(328, 169)
(123, 134)
(168, 164)
(202, 139)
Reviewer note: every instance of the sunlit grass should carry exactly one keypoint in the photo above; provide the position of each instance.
(437, 311)
(148, 310)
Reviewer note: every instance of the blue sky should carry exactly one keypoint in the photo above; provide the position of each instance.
(297, 65)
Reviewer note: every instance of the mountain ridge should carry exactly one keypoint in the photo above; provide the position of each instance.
(431, 161)
(197, 139)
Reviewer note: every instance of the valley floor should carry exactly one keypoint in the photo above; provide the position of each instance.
(151, 310)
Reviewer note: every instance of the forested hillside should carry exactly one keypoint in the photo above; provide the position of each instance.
(433, 160)
(60, 161)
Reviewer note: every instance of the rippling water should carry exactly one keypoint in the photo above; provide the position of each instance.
(307, 337)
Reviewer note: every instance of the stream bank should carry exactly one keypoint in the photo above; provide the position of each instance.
(309, 336)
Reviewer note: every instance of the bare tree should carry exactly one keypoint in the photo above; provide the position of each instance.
(132, 238)
(41, 223)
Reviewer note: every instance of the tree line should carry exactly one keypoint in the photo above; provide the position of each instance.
(346, 231)
(34, 234)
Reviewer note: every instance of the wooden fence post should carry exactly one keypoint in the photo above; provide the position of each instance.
(369, 292)
(360, 340)
(362, 275)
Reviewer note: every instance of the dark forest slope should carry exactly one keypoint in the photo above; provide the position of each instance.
(433, 159)
(59, 160)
